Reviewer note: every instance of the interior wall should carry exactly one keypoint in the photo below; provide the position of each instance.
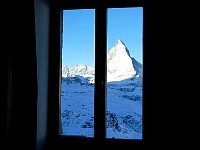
(42, 13)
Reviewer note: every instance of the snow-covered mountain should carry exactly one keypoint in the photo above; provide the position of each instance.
(120, 65)
(79, 69)
(124, 97)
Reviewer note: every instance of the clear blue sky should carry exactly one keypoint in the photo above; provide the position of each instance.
(79, 29)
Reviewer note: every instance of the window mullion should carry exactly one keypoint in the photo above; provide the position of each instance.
(100, 74)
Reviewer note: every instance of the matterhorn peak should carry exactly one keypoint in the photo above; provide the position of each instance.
(119, 42)
(120, 48)
(119, 63)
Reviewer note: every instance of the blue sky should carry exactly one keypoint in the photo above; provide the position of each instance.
(79, 33)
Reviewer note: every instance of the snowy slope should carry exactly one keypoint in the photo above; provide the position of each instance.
(124, 109)
(124, 97)
(77, 104)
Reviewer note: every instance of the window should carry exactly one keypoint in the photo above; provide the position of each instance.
(124, 73)
(78, 73)
(100, 88)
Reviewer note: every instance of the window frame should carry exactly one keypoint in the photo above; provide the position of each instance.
(55, 56)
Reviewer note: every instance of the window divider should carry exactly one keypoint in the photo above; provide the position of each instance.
(100, 74)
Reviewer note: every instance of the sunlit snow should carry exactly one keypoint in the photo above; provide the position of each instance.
(124, 97)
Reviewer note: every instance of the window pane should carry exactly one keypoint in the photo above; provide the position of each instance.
(124, 73)
(78, 72)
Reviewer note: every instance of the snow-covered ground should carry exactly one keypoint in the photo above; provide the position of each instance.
(124, 97)
(124, 108)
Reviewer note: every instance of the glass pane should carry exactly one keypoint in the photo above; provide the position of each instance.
(78, 72)
(124, 73)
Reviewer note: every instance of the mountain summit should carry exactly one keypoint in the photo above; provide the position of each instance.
(121, 46)
(120, 65)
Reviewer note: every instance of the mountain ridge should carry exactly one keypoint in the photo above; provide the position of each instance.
(120, 65)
